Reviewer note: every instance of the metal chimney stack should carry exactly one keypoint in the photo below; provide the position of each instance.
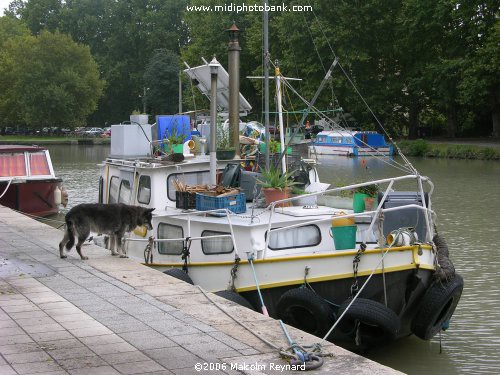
(234, 87)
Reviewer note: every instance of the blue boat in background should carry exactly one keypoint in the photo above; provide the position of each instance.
(350, 143)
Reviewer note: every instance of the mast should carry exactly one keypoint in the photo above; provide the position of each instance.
(266, 81)
(214, 66)
(280, 116)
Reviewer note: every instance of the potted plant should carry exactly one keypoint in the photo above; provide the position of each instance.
(276, 185)
(364, 198)
(225, 148)
(175, 142)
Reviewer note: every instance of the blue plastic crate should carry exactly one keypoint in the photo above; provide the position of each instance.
(235, 203)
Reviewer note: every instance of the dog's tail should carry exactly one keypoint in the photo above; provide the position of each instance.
(70, 234)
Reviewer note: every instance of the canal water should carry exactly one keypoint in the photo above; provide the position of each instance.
(467, 207)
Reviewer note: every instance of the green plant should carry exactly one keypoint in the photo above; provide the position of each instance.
(224, 141)
(370, 190)
(175, 139)
(274, 146)
(298, 191)
(274, 179)
(136, 112)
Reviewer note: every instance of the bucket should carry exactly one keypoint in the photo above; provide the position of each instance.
(344, 237)
(343, 221)
(176, 149)
(358, 202)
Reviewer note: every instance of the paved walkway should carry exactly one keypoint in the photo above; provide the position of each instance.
(114, 316)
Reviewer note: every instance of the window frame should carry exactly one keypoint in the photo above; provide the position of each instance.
(139, 188)
(159, 244)
(295, 247)
(117, 190)
(120, 191)
(215, 232)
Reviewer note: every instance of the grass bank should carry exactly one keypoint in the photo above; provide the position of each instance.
(421, 147)
(51, 140)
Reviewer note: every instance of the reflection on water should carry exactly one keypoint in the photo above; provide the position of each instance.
(467, 216)
(77, 166)
(467, 206)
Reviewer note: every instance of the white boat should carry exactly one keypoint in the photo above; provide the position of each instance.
(304, 276)
(383, 276)
(350, 143)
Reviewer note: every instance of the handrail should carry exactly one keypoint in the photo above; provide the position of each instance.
(420, 179)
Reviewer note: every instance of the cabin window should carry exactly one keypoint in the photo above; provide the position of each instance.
(113, 189)
(39, 166)
(12, 165)
(144, 191)
(336, 139)
(221, 245)
(305, 236)
(321, 138)
(166, 231)
(189, 178)
(124, 194)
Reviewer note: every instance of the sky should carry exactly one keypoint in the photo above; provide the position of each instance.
(4, 4)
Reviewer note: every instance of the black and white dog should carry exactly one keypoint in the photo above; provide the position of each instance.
(111, 219)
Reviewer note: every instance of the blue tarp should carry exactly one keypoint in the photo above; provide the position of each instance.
(371, 139)
(167, 124)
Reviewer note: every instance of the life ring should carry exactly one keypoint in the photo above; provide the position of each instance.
(369, 322)
(179, 274)
(304, 309)
(235, 297)
(436, 307)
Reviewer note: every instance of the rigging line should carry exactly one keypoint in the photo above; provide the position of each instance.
(362, 98)
(314, 43)
(384, 158)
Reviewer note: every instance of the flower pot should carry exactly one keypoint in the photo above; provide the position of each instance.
(273, 195)
(225, 154)
(369, 203)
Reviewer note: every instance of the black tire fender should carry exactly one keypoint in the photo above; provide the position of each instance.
(436, 307)
(377, 323)
(179, 274)
(304, 309)
(235, 297)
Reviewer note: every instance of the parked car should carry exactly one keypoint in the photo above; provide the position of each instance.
(106, 133)
(78, 132)
(93, 132)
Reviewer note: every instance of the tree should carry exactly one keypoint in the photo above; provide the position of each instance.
(49, 81)
(161, 78)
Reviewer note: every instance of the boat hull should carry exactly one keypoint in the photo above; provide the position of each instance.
(33, 197)
(350, 151)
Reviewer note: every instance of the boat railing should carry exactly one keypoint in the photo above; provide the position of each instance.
(376, 213)
(272, 207)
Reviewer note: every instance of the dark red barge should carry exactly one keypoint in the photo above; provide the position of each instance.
(27, 180)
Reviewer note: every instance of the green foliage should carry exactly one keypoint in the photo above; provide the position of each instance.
(274, 146)
(50, 81)
(161, 77)
(176, 139)
(370, 190)
(273, 178)
(421, 64)
(224, 139)
(450, 151)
